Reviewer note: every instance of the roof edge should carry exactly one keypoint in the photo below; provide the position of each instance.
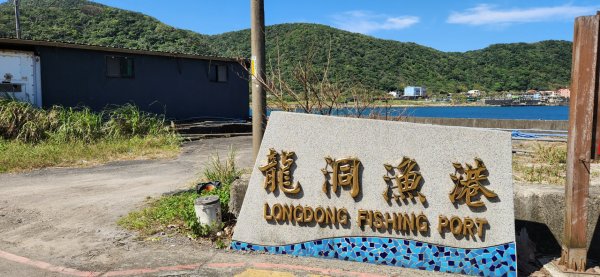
(26, 42)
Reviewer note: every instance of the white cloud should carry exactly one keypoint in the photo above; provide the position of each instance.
(366, 22)
(488, 15)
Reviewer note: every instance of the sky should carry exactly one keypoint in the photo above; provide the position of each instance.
(459, 25)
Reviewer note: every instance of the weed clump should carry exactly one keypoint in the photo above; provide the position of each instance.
(547, 165)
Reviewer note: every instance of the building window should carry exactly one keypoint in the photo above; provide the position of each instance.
(119, 67)
(218, 73)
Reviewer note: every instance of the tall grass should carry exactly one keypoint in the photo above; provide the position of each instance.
(79, 124)
(33, 138)
(25, 123)
(21, 121)
(129, 121)
(224, 171)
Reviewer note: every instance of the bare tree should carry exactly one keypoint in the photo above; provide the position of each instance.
(362, 99)
(309, 86)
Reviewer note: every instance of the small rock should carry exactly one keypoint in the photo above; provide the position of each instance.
(237, 192)
(219, 234)
(19, 221)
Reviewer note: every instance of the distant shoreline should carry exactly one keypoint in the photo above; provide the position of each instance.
(383, 105)
(430, 105)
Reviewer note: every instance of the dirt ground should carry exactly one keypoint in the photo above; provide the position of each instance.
(64, 220)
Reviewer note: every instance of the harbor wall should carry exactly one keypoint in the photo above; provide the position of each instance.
(559, 125)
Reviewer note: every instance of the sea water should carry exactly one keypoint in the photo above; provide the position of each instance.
(487, 112)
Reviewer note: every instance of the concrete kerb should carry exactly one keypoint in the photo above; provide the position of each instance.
(545, 204)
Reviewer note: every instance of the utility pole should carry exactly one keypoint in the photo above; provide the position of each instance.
(257, 69)
(584, 141)
(17, 20)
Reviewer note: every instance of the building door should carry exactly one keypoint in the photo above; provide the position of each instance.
(20, 77)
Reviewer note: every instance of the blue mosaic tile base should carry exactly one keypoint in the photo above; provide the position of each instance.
(498, 260)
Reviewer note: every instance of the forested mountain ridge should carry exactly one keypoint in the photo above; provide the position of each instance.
(355, 58)
(86, 22)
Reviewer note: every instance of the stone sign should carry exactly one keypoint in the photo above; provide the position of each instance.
(418, 196)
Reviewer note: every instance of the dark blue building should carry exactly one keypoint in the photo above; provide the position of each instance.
(177, 85)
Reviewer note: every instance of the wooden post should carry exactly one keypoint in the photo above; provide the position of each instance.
(17, 20)
(582, 144)
(258, 71)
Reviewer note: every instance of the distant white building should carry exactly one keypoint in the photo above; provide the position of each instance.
(415, 92)
(395, 94)
(474, 93)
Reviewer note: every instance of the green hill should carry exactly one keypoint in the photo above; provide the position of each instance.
(81, 21)
(355, 58)
(391, 64)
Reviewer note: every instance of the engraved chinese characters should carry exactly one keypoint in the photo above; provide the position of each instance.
(345, 172)
(468, 183)
(402, 181)
(279, 175)
(407, 180)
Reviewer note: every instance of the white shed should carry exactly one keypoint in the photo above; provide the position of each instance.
(20, 76)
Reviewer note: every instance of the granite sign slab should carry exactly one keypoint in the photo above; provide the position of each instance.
(427, 197)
